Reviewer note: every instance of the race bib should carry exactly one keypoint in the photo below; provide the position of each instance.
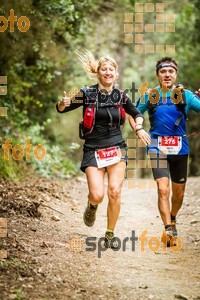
(108, 156)
(170, 144)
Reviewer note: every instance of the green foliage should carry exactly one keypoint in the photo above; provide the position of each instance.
(41, 63)
(19, 294)
(33, 63)
(56, 162)
(8, 169)
(15, 265)
(13, 262)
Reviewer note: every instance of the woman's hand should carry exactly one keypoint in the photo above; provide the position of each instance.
(65, 101)
(143, 135)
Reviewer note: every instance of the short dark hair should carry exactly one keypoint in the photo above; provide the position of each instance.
(166, 59)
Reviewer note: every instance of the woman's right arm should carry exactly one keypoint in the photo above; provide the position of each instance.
(67, 104)
(64, 102)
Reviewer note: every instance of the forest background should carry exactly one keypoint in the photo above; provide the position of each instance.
(40, 64)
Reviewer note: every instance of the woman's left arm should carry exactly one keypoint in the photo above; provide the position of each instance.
(136, 121)
(141, 134)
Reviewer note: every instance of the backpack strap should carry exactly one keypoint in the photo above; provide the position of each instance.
(181, 107)
(91, 93)
(152, 107)
(122, 113)
(89, 111)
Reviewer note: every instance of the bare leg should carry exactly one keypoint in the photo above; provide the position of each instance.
(178, 190)
(95, 180)
(163, 188)
(115, 180)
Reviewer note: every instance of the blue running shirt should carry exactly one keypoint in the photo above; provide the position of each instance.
(165, 116)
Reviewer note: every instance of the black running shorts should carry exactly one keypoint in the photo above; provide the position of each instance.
(89, 159)
(174, 166)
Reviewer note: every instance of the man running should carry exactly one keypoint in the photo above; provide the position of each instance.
(167, 106)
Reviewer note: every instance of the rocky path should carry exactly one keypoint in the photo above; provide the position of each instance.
(48, 245)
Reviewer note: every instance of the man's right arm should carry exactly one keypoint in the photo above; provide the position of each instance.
(141, 103)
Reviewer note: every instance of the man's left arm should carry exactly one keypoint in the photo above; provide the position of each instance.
(193, 100)
(198, 93)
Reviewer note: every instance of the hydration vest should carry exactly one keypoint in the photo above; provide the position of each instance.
(92, 103)
(179, 106)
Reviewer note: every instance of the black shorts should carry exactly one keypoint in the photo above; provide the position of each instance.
(89, 159)
(174, 166)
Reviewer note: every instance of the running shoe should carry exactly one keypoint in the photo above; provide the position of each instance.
(89, 215)
(168, 238)
(110, 241)
(174, 229)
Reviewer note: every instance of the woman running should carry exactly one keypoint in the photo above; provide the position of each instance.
(104, 151)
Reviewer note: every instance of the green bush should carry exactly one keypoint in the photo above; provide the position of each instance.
(55, 163)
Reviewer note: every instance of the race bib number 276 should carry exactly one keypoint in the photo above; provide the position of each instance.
(170, 144)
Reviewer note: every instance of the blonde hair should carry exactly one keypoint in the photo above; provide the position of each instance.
(91, 65)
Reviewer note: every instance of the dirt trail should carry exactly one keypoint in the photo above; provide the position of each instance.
(47, 257)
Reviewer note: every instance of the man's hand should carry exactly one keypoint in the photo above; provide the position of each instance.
(198, 92)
